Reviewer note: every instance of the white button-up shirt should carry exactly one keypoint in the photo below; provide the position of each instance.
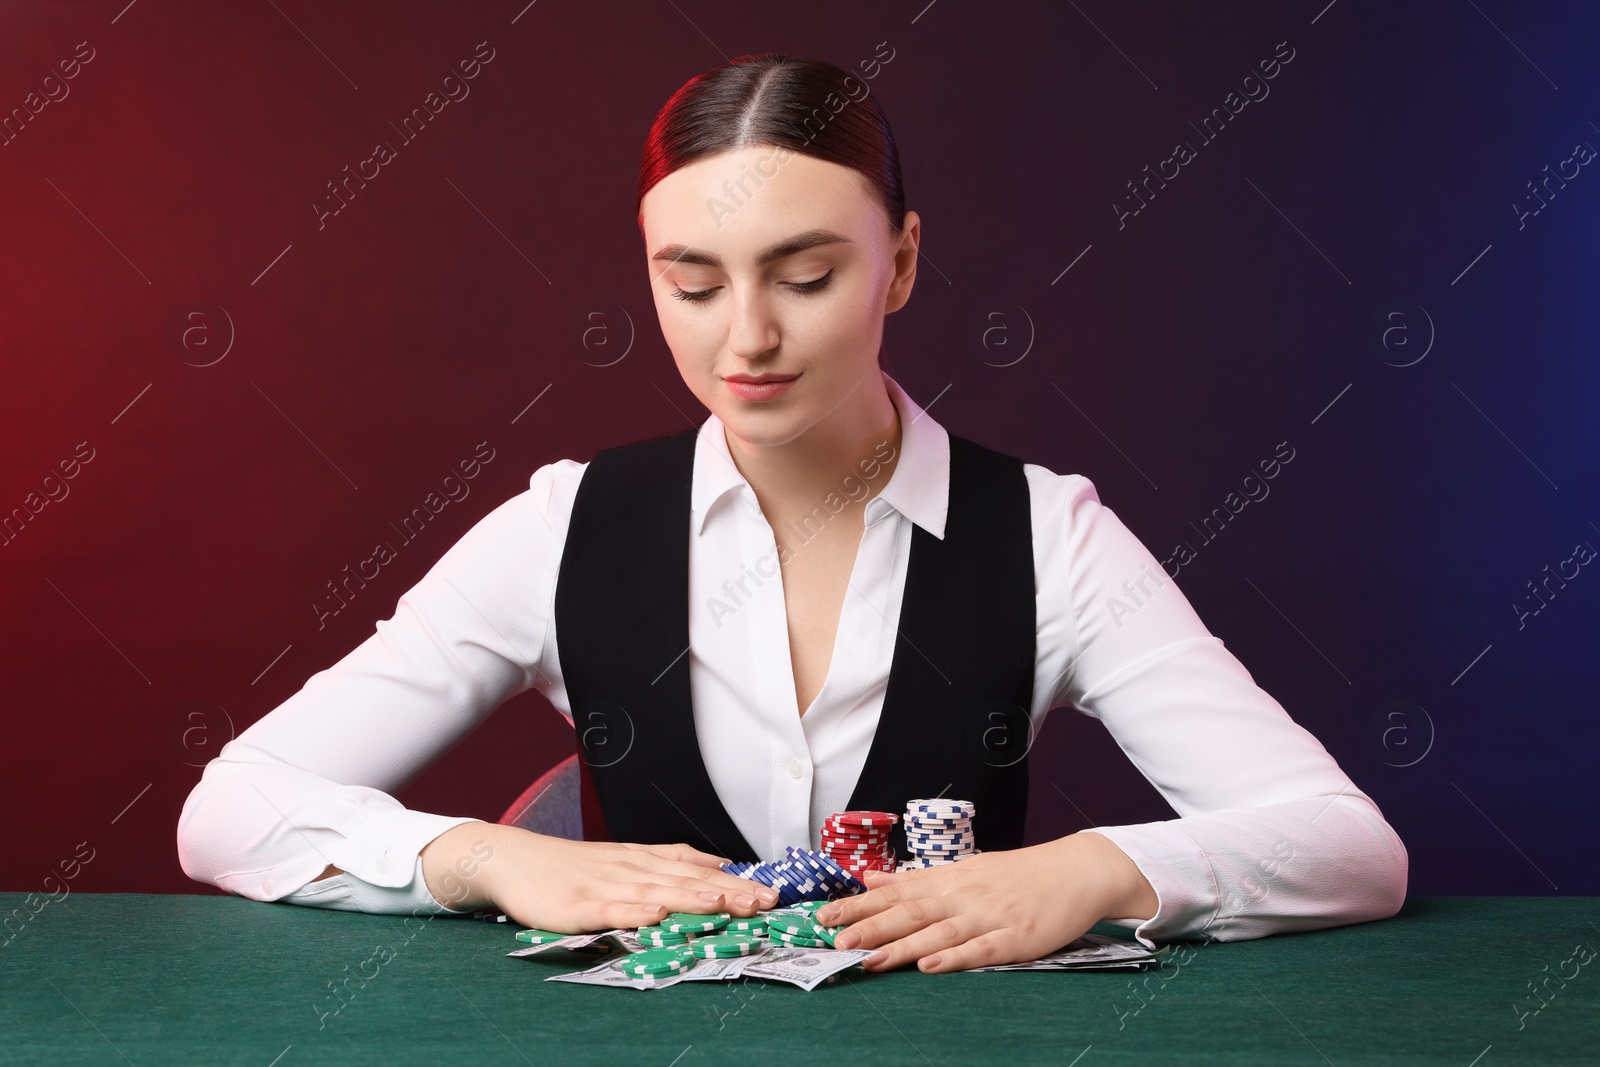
(1271, 835)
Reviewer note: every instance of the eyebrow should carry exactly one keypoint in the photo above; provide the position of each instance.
(798, 243)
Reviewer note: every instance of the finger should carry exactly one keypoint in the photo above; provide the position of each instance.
(672, 897)
(985, 950)
(930, 940)
(741, 904)
(717, 887)
(682, 853)
(743, 895)
(708, 876)
(741, 901)
(904, 918)
(621, 915)
(884, 890)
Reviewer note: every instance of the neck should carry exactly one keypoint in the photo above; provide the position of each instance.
(799, 474)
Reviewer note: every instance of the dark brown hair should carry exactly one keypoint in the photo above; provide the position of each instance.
(804, 105)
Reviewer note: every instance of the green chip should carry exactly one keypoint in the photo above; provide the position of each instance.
(810, 907)
(655, 962)
(755, 925)
(661, 937)
(724, 946)
(539, 937)
(797, 941)
(792, 924)
(683, 922)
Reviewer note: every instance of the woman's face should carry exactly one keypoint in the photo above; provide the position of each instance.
(769, 264)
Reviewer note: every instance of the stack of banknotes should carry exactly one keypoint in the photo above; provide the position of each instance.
(810, 967)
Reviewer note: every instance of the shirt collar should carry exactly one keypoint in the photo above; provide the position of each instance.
(919, 488)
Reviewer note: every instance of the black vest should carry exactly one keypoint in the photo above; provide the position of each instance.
(955, 713)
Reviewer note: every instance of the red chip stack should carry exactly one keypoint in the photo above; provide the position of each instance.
(858, 841)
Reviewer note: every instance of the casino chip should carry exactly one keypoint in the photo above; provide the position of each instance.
(938, 831)
(801, 875)
(539, 937)
(858, 841)
(724, 946)
(797, 941)
(661, 937)
(682, 922)
(793, 924)
(656, 962)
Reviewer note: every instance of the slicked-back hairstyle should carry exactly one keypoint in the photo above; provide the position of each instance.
(804, 105)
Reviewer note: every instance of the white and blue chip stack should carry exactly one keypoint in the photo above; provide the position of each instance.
(938, 831)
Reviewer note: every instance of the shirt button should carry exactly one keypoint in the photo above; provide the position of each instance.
(266, 889)
(797, 769)
(383, 864)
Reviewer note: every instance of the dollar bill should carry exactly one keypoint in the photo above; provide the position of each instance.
(574, 942)
(724, 970)
(804, 967)
(606, 974)
(810, 967)
(1092, 952)
(597, 942)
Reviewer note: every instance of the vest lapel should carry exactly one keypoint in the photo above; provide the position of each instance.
(622, 609)
(955, 719)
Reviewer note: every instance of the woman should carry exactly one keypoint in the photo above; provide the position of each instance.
(869, 599)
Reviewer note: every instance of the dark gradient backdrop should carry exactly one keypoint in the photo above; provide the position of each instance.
(1385, 259)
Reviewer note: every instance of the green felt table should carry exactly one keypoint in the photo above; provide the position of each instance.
(122, 978)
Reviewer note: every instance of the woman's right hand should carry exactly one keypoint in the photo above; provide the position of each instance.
(552, 883)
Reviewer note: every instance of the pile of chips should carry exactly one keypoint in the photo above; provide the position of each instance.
(677, 942)
(799, 928)
(803, 875)
(681, 940)
(938, 831)
(858, 841)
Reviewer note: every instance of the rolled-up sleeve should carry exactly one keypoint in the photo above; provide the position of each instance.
(311, 784)
(1271, 835)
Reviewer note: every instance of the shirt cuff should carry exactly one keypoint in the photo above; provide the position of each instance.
(346, 892)
(1177, 869)
(381, 850)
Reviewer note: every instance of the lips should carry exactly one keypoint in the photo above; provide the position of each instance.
(759, 387)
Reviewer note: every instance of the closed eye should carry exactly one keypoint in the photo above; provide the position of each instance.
(699, 296)
(812, 286)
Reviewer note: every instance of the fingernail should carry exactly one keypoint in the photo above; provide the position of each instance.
(876, 958)
(710, 897)
(769, 896)
(745, 900)
(829, 913)
(848, 939)
(928, 963)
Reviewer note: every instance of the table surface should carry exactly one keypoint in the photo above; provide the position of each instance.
(115, 978)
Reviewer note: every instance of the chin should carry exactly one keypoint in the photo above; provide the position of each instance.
(764, 428)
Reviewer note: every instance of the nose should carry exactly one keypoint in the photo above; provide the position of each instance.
(753, 330)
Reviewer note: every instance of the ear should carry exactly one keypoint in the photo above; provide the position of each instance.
(905, 264)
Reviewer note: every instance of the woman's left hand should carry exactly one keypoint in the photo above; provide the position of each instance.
(997, 907)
